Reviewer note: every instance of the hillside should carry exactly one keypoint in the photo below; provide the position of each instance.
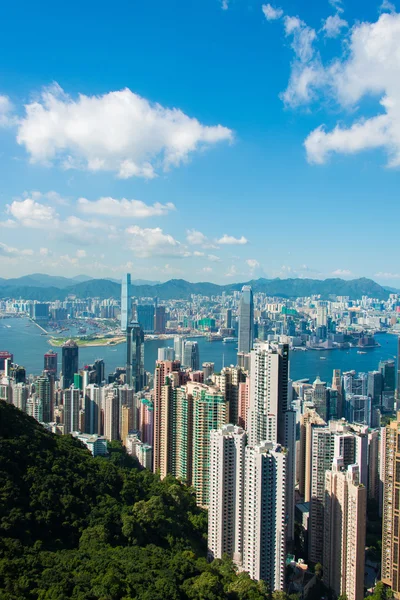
(34, 288)
(74, 526)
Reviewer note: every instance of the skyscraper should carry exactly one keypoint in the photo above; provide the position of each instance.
(70, 352)
(344, 531)
(159, 319)
(50, 362)
(270, 417)
(92, 408)
(391, 506)
(43, 391)
(71, 403)
(210, 411)
(126, 311)
(264, 529)
(135, 364)
(111, 415)
(246, 320)
(225, 510)
(145, 317)
(163, 369)
(191, 356)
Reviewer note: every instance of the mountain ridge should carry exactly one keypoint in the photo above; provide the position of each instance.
(179, 289)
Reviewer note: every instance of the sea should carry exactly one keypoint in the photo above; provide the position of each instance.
(24, 340)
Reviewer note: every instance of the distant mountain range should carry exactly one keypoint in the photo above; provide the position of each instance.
(47, 287)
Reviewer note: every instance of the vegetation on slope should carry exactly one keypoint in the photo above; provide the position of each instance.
(74, 526)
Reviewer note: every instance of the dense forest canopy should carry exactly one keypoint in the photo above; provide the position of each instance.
(74, 526)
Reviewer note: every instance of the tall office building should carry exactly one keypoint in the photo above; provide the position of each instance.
(270, 416)
(70, 352)
(246, 320)
(166, 354)
(225, 510)
(43, 390)
(145, 317)
(126, 309)
(135, 366)
(264, 527)
(337, 386)
(375, 387)
(228, 318)
(322, 313)
(344, 531)
(99, 368)
(93, 405)
(191, 356)
(159, 319)
(391, 506)
(50, 363)
(358, 409)
(72, 404)
(128, 398)
(20, 395)
(179, 347)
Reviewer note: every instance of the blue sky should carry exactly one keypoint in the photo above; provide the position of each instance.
(211, 141)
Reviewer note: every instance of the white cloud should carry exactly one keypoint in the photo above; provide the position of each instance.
(32, 214)
(385, 275)
(333, 26)
(224, 4)
(387, 6)
(207, 270)
(231, 240)
(7, 118)
(369, 67)
(342, 272)
(9, 224)
(148, 242)
(112, 207)
(195, 238)
(231, 272)
(213, 258)
(198, 254)
(118, 131)
(253, 263)
(14, 252)
(53, 197)
(81, 253)
(44, 252)
(271, 13)
(337, 5)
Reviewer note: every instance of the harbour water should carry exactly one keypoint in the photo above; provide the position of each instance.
(24, 340)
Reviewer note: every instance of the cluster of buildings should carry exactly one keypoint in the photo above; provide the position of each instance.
(260, 450)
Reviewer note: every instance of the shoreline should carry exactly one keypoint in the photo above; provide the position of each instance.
(57, 343)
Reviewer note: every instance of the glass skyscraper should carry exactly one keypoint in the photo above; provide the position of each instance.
(246, 320)
(125, 302)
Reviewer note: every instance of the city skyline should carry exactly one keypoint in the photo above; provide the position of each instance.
(270, 115)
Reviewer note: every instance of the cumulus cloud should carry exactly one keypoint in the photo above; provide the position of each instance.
(11, 252)
(333, 25)
(387, 6)
(52, 197)
(213, 258)
(195, 238)
(253, 264)
(337, 5)
(112, 207)
(81, 253)
(271, 13)
(207, 269)
(118, 131)
(342, 272)
(148, 242)
(231, 240)
(32, 214)
(7, 117)
(369, 67)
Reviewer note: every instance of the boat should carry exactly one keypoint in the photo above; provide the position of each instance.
(322, 358)
(361, 352)
(229, 340)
